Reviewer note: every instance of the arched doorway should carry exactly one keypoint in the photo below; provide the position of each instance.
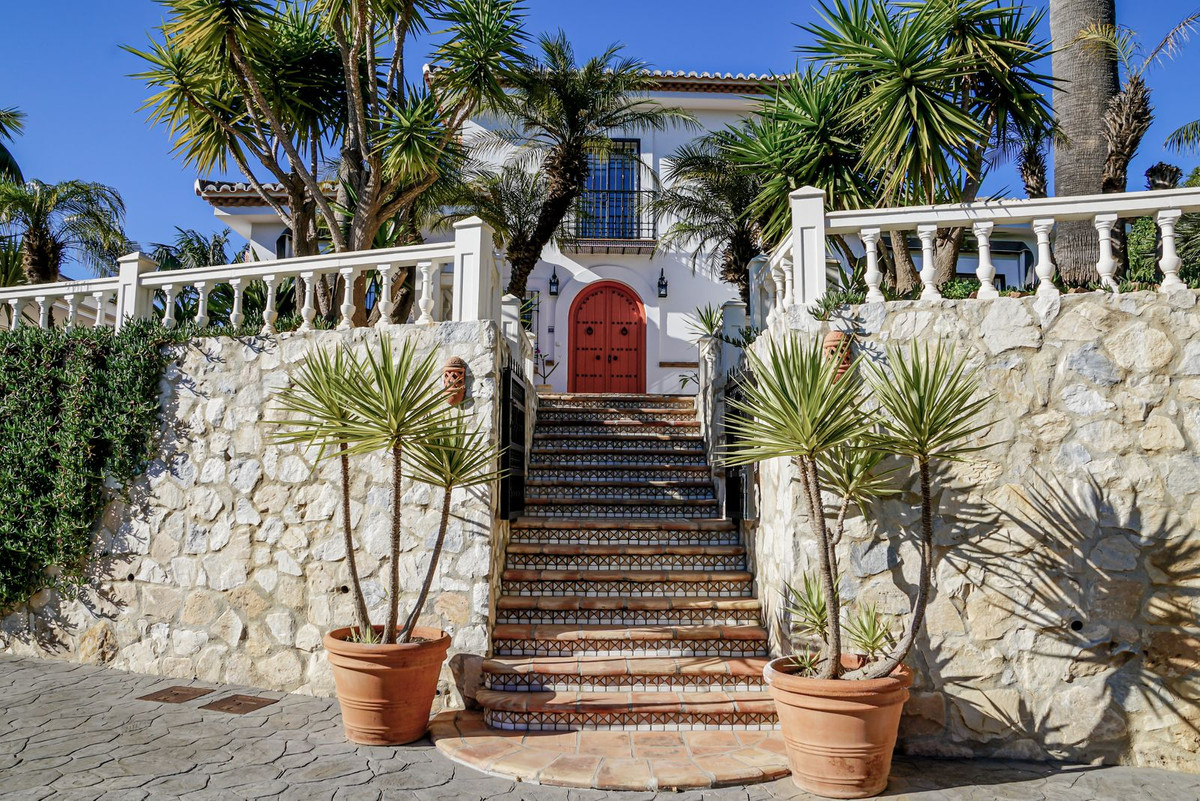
(608, 340)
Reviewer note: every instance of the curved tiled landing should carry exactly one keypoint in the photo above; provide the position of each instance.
(613, 760)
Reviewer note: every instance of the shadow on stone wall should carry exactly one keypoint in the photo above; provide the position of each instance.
(1081, 614)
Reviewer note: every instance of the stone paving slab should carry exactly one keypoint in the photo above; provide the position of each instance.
(72, 732)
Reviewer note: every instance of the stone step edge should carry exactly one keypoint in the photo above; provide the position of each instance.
(700, 703)
(557, 632)
(591, 603)
(632, 576)
(628, 550)
(592, 666)
(632, 524)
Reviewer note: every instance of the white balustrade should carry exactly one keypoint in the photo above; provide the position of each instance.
(236, 315)
(269, 314)
(349, 277)
(43, 312)
(808, 273)
(425, 270)
(202, 304)
(384, 301)
(308, 312)
(72, 309)
(168, 321)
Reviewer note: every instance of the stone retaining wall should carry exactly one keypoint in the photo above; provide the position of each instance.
(228, 562)
(1064, 620)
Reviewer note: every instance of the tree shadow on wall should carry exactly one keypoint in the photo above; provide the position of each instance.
(1097, 592)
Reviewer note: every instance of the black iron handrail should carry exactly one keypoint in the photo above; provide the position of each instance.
(622, 214)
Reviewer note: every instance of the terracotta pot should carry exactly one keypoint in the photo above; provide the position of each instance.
(836, 345)
(386, 691)
(839, 734)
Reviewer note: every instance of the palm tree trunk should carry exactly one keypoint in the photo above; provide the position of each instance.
(361, 619)
(1090, 80)
(411, 623)
(906, 270)
(832, 665)
(393, 616)
(917, 615)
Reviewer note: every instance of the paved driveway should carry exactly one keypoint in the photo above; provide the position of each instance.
(72, 732)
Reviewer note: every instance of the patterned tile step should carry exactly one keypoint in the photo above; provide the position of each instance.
(648, 412)
(637, 583)
(580, 609)
(602, 458)
(616, 640)
(550, 491)
(622, 428)
(542, 556)
(613, 760)
(619, 474)
(594, 401)
(589, 674)
(617, 508)
(681, 531)
(602, 439)
(626, 711)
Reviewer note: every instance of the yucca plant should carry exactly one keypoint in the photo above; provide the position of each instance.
(925, 409)
(351, 406)
(457, 456)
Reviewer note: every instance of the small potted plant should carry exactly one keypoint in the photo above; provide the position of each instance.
(839, 709)
(386, 675)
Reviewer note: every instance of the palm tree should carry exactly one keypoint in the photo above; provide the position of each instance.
(456, 457)
(565, 112)
(509, 200)
(73, 219)
(1087, 82)
(710, 200)
(12, 123)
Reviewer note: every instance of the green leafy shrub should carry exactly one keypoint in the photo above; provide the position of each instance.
(79, 412)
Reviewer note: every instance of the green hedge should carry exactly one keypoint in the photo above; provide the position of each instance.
(78, 408)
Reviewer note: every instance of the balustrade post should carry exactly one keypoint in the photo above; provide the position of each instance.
(476, 277)
(808, 277)
(385, 303)
(1107, 265)
(349, 278)
(236, 317)
(134, 300)
(72, 310)
(426, 303)
(309, 312)
(43, 312)
(1045, 263)
(733, 324)
(100, 303)
(927, 233)
(874, 277)
(14, 313)
(168, 320)
(776, 294)
(986, 272)
(1170, 262)
(269, 314)
(201, 304)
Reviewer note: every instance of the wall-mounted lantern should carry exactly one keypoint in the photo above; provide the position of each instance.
(554, 282)
(662, 283)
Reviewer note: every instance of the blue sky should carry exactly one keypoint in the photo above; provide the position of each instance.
(62, 64)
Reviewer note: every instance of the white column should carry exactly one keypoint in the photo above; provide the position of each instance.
(1170, 263)
(1107, 265)
(808, 277)
(134, 301)
(15, 307)
(476, 278)
(72, 309)
(776, 294)
(425, 269)
(100, 303)
(269, 314)
(43, 312)
(202, 305)
(874, 277)
(236, 317)
(168, 320)
(309, 312)
(349, 278)
(927, 233)
(1045, 263)
(384, 302)
(986, 272)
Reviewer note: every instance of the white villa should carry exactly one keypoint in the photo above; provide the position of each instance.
(609, 313)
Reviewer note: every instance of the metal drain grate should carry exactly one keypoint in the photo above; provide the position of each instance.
(239, 704)
(176, 695)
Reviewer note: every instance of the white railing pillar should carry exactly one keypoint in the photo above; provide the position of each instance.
(14, 313)
(72, 310)
(1171, 262)
(269, 315)
(808, 280)
(308, 312)
(1107, 265)
(476, 278)
(134, 301)
(927, 233)
(733, 322)
(349, 279)
(1045, 263)
(385, 303)
(986, 272)
(101, 299)
(202, 317)
(874, 276)
(425, 271)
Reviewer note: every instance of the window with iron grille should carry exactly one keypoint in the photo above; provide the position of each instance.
(613, 205)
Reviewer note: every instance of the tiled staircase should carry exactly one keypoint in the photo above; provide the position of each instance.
(625, 603)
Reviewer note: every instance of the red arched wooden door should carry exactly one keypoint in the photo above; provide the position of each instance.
(608, 340)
